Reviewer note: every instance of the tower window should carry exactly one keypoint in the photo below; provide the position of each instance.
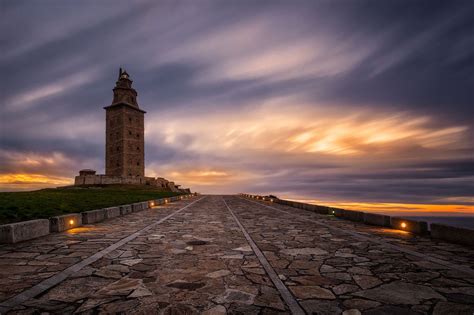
(138, 163)
(138, 135)
(118, 149)
(118, 164)
(129, 132)
(130, 119)
(138, 148)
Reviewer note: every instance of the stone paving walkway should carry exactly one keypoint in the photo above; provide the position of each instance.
(330, 271)
(197, 260)
(25, 264)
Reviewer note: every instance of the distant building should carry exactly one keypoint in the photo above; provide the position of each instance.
(124, 143)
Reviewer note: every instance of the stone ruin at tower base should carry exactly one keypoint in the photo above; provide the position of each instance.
(89, 177)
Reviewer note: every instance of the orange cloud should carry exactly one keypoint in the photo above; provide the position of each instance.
(31, 181)
(399, 208)
(204, 177)
(288, 126)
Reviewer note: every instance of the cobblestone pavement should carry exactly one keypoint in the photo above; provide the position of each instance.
(194, 256)
(331, 271)
(25, 264)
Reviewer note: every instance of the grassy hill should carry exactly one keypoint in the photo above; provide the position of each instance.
(39, 204)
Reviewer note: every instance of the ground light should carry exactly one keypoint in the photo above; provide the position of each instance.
(71, 222)
(403, 225)
(152, 204)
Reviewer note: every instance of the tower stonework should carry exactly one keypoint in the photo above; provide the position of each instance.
(125, 131)
(125, 144)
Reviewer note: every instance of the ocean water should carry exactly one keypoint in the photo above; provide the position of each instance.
(458, 221)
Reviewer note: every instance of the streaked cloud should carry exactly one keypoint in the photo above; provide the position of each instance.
(27, 99)
(288, 126)
(331, 101)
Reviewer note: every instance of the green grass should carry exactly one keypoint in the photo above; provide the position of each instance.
(45, 203)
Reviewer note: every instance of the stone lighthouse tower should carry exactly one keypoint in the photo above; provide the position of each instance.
(125, 144)
(125, 141)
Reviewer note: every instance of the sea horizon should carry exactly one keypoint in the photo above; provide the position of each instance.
(453, 215)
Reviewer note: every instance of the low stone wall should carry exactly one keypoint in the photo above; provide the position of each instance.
(125, 209)
(376, 219)
(300, 205)
(22, 231)
(137, 207)
(26, 230)
(353, 215)
(65, 222)
(336, 212)
(452, 234)
(417, 227)
(159, 202)
(93, 216)
(438, 231)
(322, 210)
(111, 212)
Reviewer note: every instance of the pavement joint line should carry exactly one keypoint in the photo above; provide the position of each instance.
(294, 306)
(46, 284)
(438, 261)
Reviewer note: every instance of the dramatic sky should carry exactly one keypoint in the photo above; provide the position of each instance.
(335, 101)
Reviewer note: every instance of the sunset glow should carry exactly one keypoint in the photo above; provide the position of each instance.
(400, 208)
(31, 181)
(272, 128)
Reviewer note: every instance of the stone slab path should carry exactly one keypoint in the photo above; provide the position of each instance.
(226, 254)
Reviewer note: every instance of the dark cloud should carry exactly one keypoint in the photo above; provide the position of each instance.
(425, 63)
